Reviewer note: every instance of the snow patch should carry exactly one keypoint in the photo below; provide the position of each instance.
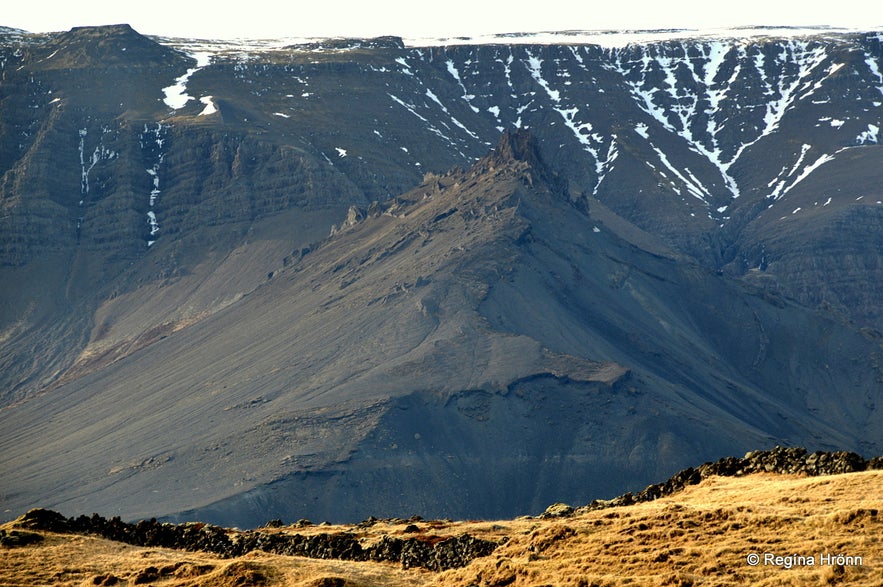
(176, 94)
(782, 189)
(154, 193)
(434, 98)
(692, 184)
(875, 71)
(410, 108)
(534, 65)
(452, 69)
(406, 69)
(209, 106)
(870, 136)
(87, 163)
(152, 140)
(154, 226)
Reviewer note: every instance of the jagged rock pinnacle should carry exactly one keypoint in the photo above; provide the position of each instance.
(517, 145)
(521, 146)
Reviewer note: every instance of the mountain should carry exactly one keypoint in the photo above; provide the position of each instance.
(354, 277)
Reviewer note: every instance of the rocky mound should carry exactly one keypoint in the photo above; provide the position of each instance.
(109, 46)
(783, 460)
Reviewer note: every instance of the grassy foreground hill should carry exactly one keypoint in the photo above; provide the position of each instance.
(803, 530)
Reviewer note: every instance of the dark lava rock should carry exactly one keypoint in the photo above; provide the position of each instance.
(329, 582)
(17, 538)
(557, 510)
(43, 519)
(273, 524)
(432, 553)
(783, 460)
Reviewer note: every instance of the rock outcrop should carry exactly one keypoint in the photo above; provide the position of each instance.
(781, 460)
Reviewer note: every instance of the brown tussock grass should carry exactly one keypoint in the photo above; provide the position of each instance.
(701, 536)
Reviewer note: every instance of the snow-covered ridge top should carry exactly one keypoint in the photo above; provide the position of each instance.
(621, 38)
(233, 45)
(304, 44)
(603, 38)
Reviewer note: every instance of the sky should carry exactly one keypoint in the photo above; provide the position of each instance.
(262, 19)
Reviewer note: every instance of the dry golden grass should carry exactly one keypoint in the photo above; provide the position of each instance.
(701, 536)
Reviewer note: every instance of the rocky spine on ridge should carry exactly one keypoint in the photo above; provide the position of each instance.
(427, 551)
(782, 460)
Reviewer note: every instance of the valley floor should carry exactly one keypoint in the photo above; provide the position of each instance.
(761, 529)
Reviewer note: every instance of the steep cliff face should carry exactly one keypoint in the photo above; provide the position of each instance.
(230, 238)
(688, 139)
(95, 172)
